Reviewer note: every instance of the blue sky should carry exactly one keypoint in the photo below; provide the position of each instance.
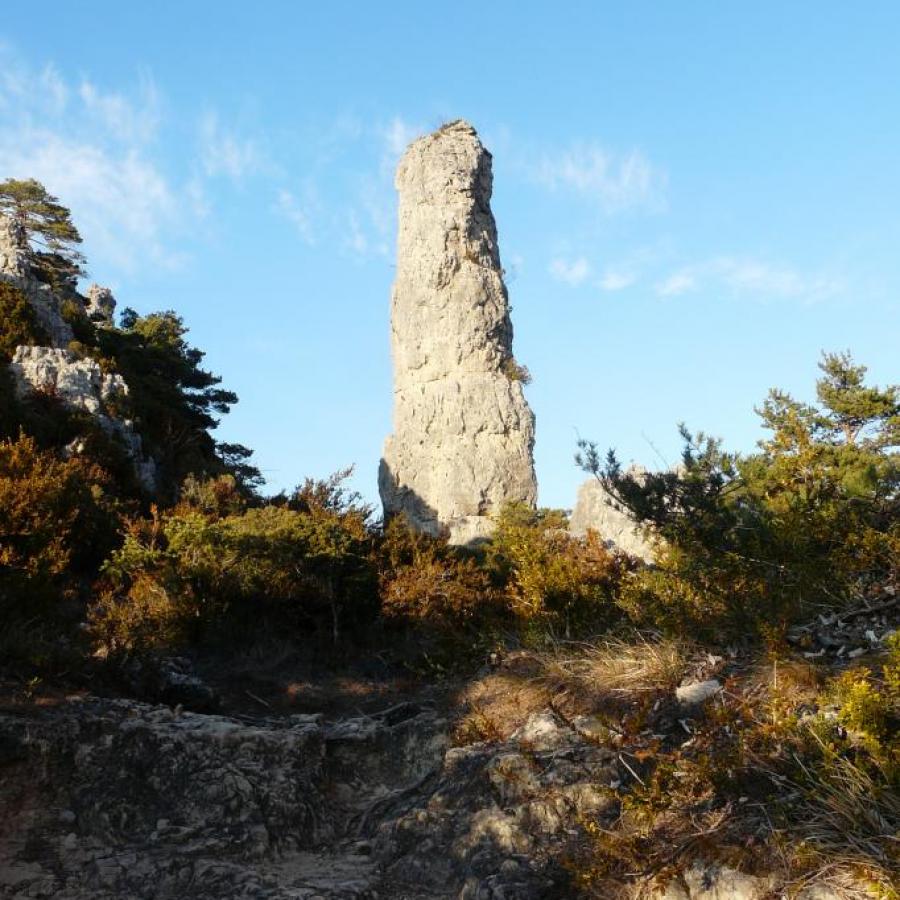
(693, 199)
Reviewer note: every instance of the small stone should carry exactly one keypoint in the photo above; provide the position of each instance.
(696, 692)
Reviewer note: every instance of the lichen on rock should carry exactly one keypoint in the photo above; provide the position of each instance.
(463, 432)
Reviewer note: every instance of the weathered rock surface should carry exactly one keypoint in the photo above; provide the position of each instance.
(113, 798)
(13, 244)
(119, 799)
(597, 510)
(81, 385)
(101, 305)
(463, 431)
(14, 267)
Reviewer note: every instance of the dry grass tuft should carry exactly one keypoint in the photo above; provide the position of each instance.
(617, 667)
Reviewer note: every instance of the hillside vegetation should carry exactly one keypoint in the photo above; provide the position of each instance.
(796, 760)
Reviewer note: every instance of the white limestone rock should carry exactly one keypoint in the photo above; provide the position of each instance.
(13, 246)
(101, 305)
(597, 510)
(463, 431)
(15, 268)
(81, 385)
(693, 693)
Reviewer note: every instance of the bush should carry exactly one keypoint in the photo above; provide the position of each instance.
(18, 323)
(191, 572)
(515, 371)
(423, 580)
(553, 578)
(58, 521)
(83, 329)
(752, 542)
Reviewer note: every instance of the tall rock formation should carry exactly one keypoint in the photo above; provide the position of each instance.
(463, 432)
(78, 383)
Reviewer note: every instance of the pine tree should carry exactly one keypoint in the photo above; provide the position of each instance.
(52, 236)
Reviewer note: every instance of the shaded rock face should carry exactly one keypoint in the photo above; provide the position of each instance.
(15, 268)
(138, 802)
(13, 244)
(597, 510)
(82, 385)
(463, 431)
(101, 305)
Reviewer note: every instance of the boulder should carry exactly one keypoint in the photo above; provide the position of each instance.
(597, 510)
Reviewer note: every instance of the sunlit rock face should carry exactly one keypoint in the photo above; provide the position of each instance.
(81, 384)
(101, 306)
(16, 269)
(463, 431)
(597, 510)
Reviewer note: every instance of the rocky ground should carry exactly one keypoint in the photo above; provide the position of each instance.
(476, 792)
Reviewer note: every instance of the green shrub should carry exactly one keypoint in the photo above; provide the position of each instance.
(58, 521)
(85, 334)
(515, 371)
(755, 541)
(189, 572)
(553, 578)
(18, 323)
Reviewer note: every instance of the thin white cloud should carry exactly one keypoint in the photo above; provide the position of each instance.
(91, 149)
(616, 280)
(572, 272)
(397, 135)
(356, 240)
(224, 153)
(299, 214)
(750, 278)
(120, 118)
(677, 283)
(614, 182)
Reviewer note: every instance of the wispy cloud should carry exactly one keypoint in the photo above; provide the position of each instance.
(616, 280)
(572, 272)
(128, 120)
(749, 277)
(91, 149)
(299, 213)
(222, 152)
(615, 182)
(677, 283)
(397, 135)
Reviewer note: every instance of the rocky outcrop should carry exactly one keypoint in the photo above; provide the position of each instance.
(463, 431)
(80, 384)
(597, 510)
(13, 247)
(100, 306)
(15, 268)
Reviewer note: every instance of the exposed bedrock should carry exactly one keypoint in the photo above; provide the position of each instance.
(597, 510)
(463, 431)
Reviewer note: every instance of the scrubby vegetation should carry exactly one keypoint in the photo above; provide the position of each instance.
(793, 764)
(751, 542)
(790, 773)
